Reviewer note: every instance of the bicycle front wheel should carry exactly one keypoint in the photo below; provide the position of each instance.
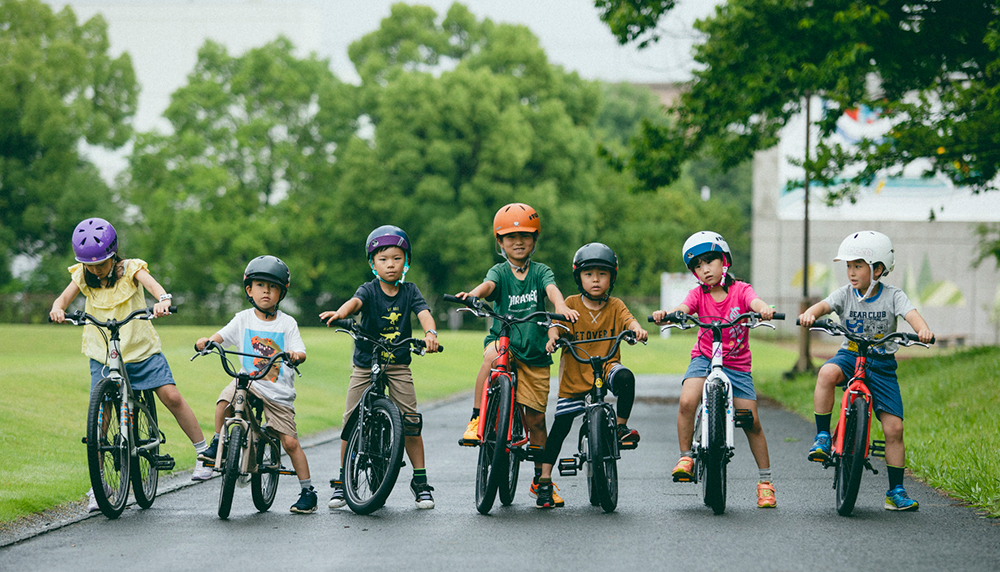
(713, 486)
(264, 482)
(107, 449)
(601, 456)
(374, 455)
(509, 486)
(851, 463)
(231, 470)
(143, 471)
(493, 456)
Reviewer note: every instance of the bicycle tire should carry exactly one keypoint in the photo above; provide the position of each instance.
(714, 485)
(374, 455)
(493, 454)
(144, 473)
(264, 481)
(602, 459)
(231, 470)
(107, 449)
(851, 463)
(584, 448)
(509, 486)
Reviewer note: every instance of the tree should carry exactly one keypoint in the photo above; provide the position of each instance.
(59, 87)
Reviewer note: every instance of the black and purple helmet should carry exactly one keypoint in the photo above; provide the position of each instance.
(94, 241)
(387, 235)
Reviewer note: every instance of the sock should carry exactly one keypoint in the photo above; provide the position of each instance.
(216, 437)
(200, 446)
(689, 454)
(538, 473)
(420, 476)
(475, 413)
(765, 475)
(895, 476)
(306, 484)
(341, 477)
(823, 422)
(542, 481)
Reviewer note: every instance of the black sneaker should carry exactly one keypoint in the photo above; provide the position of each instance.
(626, 436)
(544, 499)
(337, 499)
(306, 503)
(210, 453)
(421, 494)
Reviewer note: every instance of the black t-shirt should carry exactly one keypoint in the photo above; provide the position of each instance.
(387, 317)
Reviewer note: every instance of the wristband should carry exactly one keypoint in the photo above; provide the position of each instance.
(164, 297)
(432, 332)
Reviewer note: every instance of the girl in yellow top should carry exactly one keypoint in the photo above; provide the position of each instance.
(114, 288)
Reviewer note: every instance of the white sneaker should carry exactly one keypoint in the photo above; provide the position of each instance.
(92, 505)
(201, 472)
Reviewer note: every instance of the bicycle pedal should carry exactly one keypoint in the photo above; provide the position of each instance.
(163, 462)
(680, 479)
(627, 445)
(568, 467)
(743, 418)
(878, 449)
(84, 440)
(468, 442)
(210, 464)
(285, 471)
(534, 453)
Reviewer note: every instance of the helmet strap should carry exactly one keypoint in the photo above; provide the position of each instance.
(723, 281)
(273, 312)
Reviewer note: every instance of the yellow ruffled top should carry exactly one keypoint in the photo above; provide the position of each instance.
(139, 340)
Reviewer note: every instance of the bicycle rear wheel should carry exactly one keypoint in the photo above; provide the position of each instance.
(374, 455)
(107, 449)
(509, 486)
(851, 463)
(264, 481)
(144, 473)
(493, 456)
(604, 467)
(231, 470)
(714, 465)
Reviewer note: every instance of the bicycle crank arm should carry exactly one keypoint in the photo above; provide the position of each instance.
(868, 465)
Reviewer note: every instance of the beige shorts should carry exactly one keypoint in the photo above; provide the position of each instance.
(279, 417)
(399, 387)
(533, 386)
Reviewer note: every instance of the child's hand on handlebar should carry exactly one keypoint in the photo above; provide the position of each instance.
(161, 308)
(766, 313)
(571, 315)
(57, 315)
(200, 344)
(329, 316)
(806, 319)
(641, 335)
(926, 336)
(430, 343)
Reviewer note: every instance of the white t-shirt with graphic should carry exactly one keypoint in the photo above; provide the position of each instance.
(249, 334)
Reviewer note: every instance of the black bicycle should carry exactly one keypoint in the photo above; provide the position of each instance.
(598, 442)
(123, 440)
(376, 427)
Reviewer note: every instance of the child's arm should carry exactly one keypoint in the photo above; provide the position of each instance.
(763, 308)
(659, 315)
(162, 307)
(641, 334)
(919, 326)
(808, 317)
(58, 311)
(481, 291)
(552, 291)
(349, 308)
(430, 333)
(200, 344)
(550, 346)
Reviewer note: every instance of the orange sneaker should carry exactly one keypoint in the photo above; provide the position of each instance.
(471, 436)
(684, 470)
(556, 499)
(765, 496)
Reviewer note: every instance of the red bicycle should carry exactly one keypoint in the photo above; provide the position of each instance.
(503, 443)
(851, 437)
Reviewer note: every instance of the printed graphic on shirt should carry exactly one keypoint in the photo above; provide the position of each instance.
(265, 344)
(390, 329)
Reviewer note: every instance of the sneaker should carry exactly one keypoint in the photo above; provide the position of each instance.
(627, 436)
(821, 447)
(337, 499)
(544, 496)
(306, 503)
(471, 436)
(92, 505)
(211, 452)
(201, 472)
(683, 470)
(765, 496)
(422, 494)
(533, 493)
(897, 499)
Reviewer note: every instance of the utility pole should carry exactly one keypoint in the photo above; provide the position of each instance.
(804, 363)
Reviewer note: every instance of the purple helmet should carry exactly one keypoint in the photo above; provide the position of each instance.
(94, 241)
(387, 235)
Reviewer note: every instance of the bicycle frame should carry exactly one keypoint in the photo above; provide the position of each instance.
(856, 388)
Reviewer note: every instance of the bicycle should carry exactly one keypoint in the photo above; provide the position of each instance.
(248, 449)
(715, 418)
(376, 427)
(851, 438)
(598, 442)
(501, 436)
(123, 439)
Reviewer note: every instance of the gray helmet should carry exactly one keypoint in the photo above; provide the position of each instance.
(595, 255)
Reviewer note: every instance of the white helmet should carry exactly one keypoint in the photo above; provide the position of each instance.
(706, 241)
(870, 246)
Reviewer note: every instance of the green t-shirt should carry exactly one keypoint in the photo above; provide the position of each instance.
(519, 298)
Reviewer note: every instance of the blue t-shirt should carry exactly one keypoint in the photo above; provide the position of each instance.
(388, 317)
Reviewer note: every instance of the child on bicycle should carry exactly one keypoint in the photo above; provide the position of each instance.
(114, 288)
(265, 330)
(719, 294)
(518, 287)
(868, 306)
(385, 304)
(595, 268)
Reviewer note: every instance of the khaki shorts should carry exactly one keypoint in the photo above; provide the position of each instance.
(533, 386)
(399, 386)
(279, 417)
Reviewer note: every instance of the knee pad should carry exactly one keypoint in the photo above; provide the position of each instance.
(621, 378)
(412, 424)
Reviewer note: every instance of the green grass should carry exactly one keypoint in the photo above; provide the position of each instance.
(952, 413)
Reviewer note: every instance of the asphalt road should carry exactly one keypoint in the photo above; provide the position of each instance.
(659, 524)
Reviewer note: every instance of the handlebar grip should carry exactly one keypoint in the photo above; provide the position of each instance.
(650, 320)
(347, 323)
(559, 317)
(451, 298)
(172, 309)
(778, 316)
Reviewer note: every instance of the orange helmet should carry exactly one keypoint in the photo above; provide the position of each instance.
(516, 217)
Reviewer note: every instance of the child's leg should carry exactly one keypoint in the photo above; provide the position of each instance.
(895, 449)
(554, 441)
(687, 407)
(415, 451)
(622, 382)
(830, 375)
(221, 408)
(171, 398)
(534, 422)
(754, 433)
(298, 457)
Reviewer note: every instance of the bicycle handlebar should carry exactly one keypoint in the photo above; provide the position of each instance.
(228, 367)
(483, 310)
(417, 345)
(835, 329)
(80, 318)
(680, 320)
(624, 335)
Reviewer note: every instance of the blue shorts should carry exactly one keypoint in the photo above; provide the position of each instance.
(882, 380)
(149, 373)
(742, 380)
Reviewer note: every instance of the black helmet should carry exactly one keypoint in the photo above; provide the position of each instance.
(268, 268)
(595, 255)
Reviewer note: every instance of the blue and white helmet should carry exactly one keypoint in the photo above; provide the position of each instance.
(706, 241)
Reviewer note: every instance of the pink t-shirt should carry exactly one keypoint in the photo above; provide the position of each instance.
(735, 341)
